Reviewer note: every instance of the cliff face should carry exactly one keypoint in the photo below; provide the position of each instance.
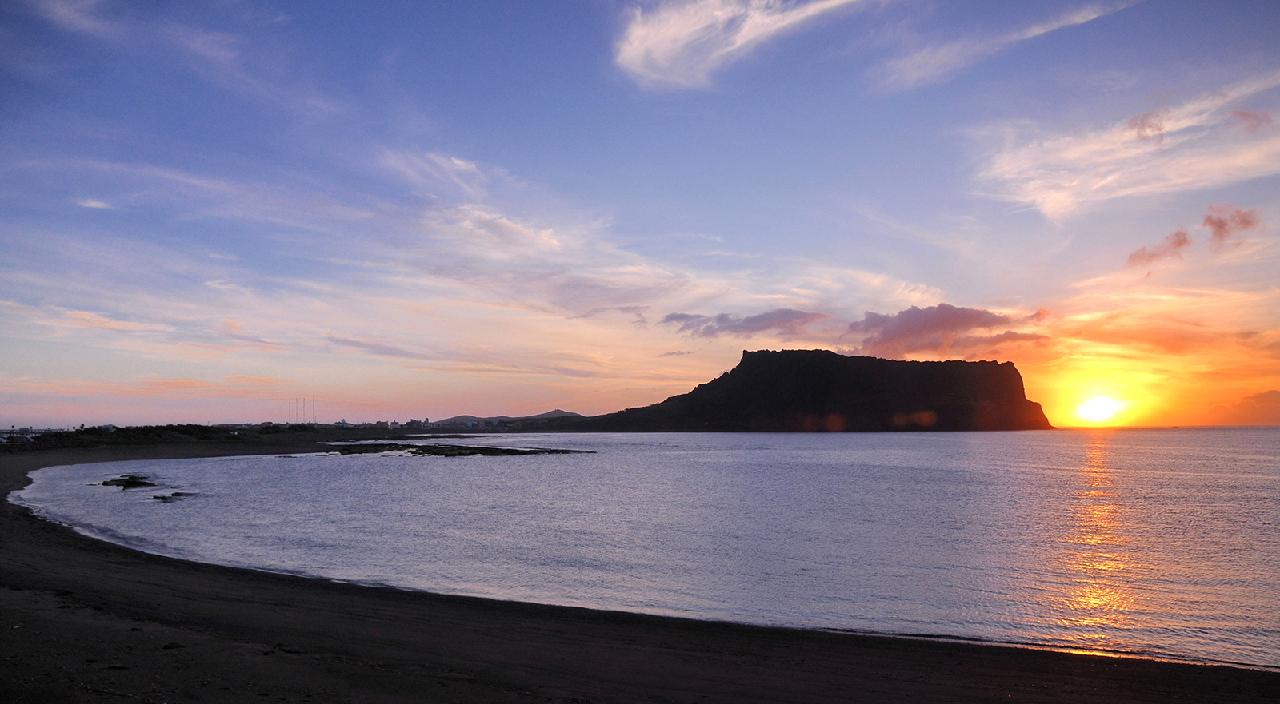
(817, 390)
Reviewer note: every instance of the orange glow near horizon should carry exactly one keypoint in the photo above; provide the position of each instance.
(1099, 410)
(1092, 390)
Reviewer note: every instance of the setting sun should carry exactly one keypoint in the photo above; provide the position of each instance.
(1099, 409)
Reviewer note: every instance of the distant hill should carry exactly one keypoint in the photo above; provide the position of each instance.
(557, 413)
(819, 390)
(498, 422)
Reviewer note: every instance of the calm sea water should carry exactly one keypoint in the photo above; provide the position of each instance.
(1155, 542)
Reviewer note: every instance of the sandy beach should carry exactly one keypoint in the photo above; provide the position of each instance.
(83, 620)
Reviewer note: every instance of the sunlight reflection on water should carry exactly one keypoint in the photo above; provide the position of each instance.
(1098, 601)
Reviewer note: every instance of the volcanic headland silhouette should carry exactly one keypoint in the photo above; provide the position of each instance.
(820, 390)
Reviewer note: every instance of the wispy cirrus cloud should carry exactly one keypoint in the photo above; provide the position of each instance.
(82, 16)
(1191, 146)
(279, 200)
(931, 64)
(428, 172)
(377, 348)
(233, 385)
(681, 44)
(89, 319)
(225, 58)
(477, 237)
(492, 233)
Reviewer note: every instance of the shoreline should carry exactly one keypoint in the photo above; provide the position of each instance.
(83, 620)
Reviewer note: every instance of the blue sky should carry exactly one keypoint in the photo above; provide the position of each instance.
(209, 209)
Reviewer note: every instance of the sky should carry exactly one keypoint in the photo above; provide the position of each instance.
(407, 210)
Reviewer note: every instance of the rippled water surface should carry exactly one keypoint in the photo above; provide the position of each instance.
(1159, 542)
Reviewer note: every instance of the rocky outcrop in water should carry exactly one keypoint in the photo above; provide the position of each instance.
(129, 481)
(818, 390)
(437, 450)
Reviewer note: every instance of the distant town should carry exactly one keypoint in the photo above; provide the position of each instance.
(14, 435)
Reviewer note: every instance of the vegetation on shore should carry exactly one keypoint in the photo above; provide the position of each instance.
(263, 434)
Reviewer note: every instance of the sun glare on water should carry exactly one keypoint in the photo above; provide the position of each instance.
(1099, 409)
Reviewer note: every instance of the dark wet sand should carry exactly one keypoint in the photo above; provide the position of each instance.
(82, 620)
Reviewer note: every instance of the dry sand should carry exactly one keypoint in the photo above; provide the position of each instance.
(83, 620)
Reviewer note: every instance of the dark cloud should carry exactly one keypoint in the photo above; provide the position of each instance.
(678, 353)
(783, 321)
(1226, 221)
(936, 328)
(1171, 246)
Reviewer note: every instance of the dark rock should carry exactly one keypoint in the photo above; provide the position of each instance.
(819, 390)
(129, 481)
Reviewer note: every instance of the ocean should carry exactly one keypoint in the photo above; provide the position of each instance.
(1161, 543)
